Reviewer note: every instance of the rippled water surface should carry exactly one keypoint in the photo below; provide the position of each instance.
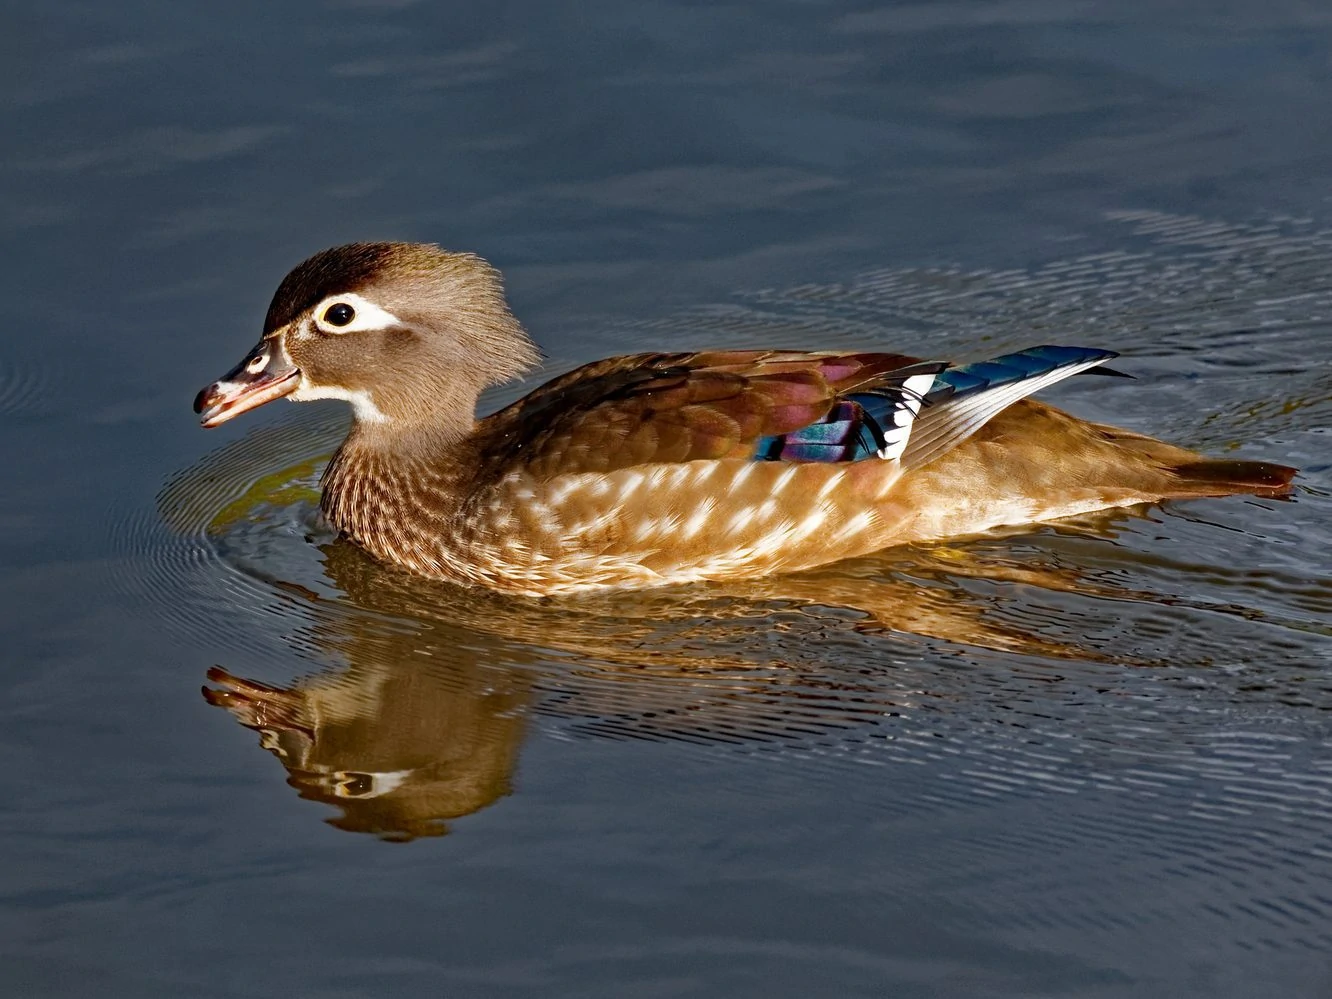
(1092, 758)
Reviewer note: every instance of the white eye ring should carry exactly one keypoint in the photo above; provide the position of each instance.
(366, 315)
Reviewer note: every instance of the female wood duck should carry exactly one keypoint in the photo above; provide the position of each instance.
(661, 468)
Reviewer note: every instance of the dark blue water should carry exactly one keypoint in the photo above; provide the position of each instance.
(1090, 759)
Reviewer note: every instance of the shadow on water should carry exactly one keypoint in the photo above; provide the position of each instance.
(412, 699)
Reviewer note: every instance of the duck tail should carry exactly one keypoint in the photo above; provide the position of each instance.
(965, 398)
(1173, 472)
(1224, 477)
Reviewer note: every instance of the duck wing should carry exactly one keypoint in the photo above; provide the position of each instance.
(677, 407)
(773, 405)
(963, 398)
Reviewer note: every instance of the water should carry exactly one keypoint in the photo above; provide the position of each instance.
(1086, 759)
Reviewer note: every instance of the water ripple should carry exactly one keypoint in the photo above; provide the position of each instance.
(26, 385)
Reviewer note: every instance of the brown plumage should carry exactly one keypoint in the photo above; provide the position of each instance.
(651, 469)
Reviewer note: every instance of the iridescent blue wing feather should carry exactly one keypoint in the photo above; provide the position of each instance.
(874, 422)
(964, 398)
(922, 411)
(997, 372)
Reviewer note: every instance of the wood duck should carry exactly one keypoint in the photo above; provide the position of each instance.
(658, 468)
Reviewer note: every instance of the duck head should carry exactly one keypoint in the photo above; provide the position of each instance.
(408, 333)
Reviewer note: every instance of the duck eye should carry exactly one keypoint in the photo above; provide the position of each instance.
(355, 785)
(339, 314)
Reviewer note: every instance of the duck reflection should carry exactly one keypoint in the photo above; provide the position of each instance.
(399, 749)
(423, 722)
(398, 753)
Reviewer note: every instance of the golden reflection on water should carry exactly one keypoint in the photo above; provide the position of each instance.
(397, 748)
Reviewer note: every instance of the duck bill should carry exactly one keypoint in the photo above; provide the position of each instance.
(263, 376)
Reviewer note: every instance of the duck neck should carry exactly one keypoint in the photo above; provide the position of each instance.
(398, 490)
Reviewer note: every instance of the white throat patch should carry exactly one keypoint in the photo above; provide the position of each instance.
(363, 404)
